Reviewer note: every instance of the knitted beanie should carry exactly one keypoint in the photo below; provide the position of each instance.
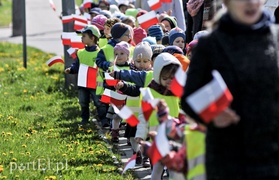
(200, 34)
(156, 31)
(99, 21)
(118, 30)
(142, 50)
(157, 49)
(106, 13)
(191, 45)
(123, 46)
(95, 10)
(171, 20)
(173, 49)
(150, 40)
(139, 34)
(175, 33)
(131, 12)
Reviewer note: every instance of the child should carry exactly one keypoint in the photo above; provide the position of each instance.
(105, 57)
(169, 22)
(121, 53)
(99, 21)
(107, 28)
(87, 56)
(157, 32)
(164, 69)
(177, 38)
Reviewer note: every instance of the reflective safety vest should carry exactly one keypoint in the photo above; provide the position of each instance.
(132, 48)
(148, 78)
(103, 42)
(109, 54)
(86, 57)
(172, 102)
(195, 146)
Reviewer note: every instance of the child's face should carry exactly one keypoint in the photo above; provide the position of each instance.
(166, 79)
(107, 31)
(143, 64)
(179, 41)
(167, 25)
(87, 40)
(126, 36)
(121, 56)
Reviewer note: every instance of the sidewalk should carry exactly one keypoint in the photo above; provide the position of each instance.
(44, 29)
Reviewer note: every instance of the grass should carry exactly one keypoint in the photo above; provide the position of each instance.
(6, 13)
(40, 136)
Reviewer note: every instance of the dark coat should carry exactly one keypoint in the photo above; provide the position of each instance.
(246, 58)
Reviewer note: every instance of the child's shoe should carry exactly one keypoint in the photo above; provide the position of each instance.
(138, 158)
(115, 135)
(145, 162)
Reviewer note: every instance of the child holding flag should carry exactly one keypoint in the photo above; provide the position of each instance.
(85, 62)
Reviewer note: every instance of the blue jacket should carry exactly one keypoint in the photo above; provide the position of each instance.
(137, 77)
(101, 59)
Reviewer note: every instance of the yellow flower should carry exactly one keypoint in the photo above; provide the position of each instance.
(1, 168)
(24, 90)
(27, 153)
(24, 145)
(10, 117)
(64, 155)
(3, 177)
(9, 133)
(14, 159)
(4, 154)
(91, 152)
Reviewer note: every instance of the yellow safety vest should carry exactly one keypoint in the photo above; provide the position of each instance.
(109, 54)
(195, 145)
(172, 102)
(88, 58)
(102, 42)
(148, 78)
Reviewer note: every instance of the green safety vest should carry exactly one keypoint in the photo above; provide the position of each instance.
(109, 54)
(195, 145)
(172, 102)
(148, 78)
(87, 58)
(102, 42)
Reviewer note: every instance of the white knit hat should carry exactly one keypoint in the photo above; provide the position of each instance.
(142, 50)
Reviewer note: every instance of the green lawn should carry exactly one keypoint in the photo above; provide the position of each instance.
(40, 136)
(5, 13)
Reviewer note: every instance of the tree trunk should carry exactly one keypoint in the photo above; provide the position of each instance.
(17, 18)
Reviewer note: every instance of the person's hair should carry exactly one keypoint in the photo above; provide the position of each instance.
(128, 20)
(105, 2)
(92, 35)
(111, 21)
(169, 70)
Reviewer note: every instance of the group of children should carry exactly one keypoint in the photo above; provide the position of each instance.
(145, 65)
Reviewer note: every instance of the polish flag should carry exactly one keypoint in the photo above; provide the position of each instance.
(76, 42)
(166, 1)
(81, 19)
(87, 16)
(112, 97)
(178, 82)
(79, 25)
(127, 114)
(54, 60)
(148, 19)
(66, 37)
(67, 19)
(87, 4)
(148, 103)
(87, 76)
(52, 5)
(110, 80)
(160, 147)
(130, 164)
(72, 52)
(211, 99)
(154, 4)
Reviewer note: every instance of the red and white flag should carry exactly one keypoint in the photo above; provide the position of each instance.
(112, 97)
(110, 80)
(67, 19)
(166, 1)
(66, 37)
(52, 5)
(81, 19)
(54, 60)
(154, 4)
(130, 164)
(211, 99)
(79, 25)
(76, 42)
(178, 82)
(127, 114)
(72, 52)
(87, 76)
(87, 4)
(148, 19)
(160, 147)
(148, 103)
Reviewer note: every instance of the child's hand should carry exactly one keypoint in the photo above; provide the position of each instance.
(111, 74)
(67, 71)
(111, 64)
(226, 118)
(139, 140)
(163, 111)
(119, 85)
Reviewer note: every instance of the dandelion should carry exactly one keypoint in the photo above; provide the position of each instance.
(5, 93)
(24, 145)
(14, 159)
(99, 165)
(10, 117)
(64, 155)
(1, 70)
(24, 91)
(3, 177)
(1, 168)
(28, 153)
(11, 152)
(91, 152)
(27, 134)
(4, 154)
(9, 133)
